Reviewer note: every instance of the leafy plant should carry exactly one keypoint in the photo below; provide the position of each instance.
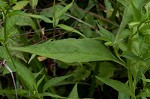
(69, 46)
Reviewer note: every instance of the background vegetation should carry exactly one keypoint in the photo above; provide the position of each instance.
(74, 49)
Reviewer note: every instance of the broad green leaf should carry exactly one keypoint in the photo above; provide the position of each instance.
(44, 18)
(51, 95)
(70, 29)
(33, 3)
(20, 5)
(71, 50)
(74, 93)
(117, 85)
(54, 81)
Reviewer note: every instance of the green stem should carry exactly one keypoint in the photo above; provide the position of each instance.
(130, 78)
(54, 18)
(6, 47)
(97, 66)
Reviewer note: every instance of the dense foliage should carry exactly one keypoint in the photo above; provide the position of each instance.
(74, 49)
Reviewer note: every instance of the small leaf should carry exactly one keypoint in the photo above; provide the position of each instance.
(74, 93)
(117, 85)
(20, 5)
(33, 3)
(132, 56)
(61, 12)
(70, 29)
(54, 81)
(20, 92)
(44, 18)
(3, 4)
(146, 80)
(123, 96)
(39, 82)
(51, 95)
(105, 34)
(26, 76)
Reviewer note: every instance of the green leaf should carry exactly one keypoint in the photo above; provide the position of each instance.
(33, 3)
(123, 96)
(70, 29)
(144, 93)
(131, 56)
(146, 80)
(20, 92)
(3, 4)
(48, 12)
(61, 12)
(105, 34)
(123, 2)
(51, 95)
(54, 81)
(80, 73)
(74, 93)
(39, 82)
(26, 76)
(127, 17)
(117, 85)
(106, 73)
(71, 50)
(44, 18)
(20, 5)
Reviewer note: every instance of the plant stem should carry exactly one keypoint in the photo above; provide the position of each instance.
(131, 84)
(97, 66)
(7, 50)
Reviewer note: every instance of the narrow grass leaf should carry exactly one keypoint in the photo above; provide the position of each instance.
(70, 29)
(74, 93)
(40, 80)
(54, 81)
(61, 12)
(117, 85)
(72, 50)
